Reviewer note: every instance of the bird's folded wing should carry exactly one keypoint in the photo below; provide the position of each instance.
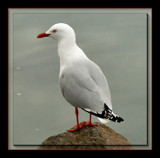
(80, 89)
(100, 79)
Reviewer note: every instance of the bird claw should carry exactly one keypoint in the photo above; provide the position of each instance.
(77, 127)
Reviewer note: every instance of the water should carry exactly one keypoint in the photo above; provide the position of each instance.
(18, 68)
(19, 94)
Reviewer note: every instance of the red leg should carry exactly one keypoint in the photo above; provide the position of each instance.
(78, 126)
(90, 123)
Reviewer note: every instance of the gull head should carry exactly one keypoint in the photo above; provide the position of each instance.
(59, 32)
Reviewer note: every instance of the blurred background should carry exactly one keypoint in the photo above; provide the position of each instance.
(116, 42)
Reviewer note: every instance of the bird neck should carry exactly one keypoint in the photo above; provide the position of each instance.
(69, 52)
(65, 44)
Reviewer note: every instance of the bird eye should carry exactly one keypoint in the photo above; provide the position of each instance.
(54, 31)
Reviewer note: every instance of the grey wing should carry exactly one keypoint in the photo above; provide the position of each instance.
(80, 90)
(101, 81)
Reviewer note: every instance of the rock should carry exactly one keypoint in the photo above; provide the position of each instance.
(95, 137)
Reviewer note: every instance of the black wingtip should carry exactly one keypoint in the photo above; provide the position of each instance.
(116, 119)
(119, 119)
(106, 114)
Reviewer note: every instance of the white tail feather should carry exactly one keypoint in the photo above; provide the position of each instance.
(104, 121)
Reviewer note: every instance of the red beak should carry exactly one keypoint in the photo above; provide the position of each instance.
(43, 35)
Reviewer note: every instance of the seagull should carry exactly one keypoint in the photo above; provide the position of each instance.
(82, 82)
